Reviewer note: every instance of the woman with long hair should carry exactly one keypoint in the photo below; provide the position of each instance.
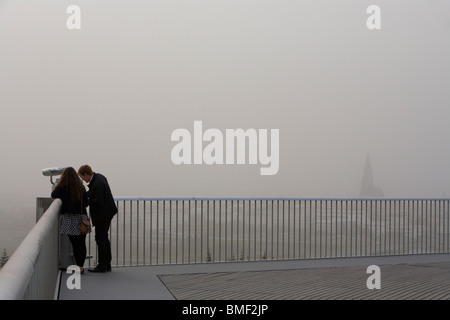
(74, 199)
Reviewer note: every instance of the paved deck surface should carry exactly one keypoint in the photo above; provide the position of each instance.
(402, 277)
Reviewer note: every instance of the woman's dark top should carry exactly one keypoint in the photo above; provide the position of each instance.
(67, 205)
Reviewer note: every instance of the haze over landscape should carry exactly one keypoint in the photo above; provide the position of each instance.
(111, 94)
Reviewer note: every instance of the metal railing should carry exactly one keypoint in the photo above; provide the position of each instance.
(32, 271)
(153, 231)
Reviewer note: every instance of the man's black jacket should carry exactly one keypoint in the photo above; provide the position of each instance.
(102, 206)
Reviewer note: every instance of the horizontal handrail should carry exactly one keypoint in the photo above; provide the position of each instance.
(274, 199)
(30, 265)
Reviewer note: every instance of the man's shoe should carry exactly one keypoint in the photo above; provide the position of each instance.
(99, 269)
(108, 268)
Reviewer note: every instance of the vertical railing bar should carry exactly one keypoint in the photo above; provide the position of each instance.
(351, 228)
(369, 228)
(358, 207)
(347, 220)
(170, 232)
(388, 236)
(375, 221)
(214, 230)
(164, 232)
(414, 227)
(282, 227)
(373, 217)
(440, 226)
(189, 232)
(137, 232)
(226, 230)
(250, 242)
(294, 228)
(220, 231)
(249, 228)
(364, 235)
(447, 226)
(320, 228)
(393, 215)
(143, 232)
(195, 229)
(310, 229)
(255, 241)
(272, 229)
(289, 229)
(342, 224)
(237, 229)
(248, 212)
(151, 231)
(335, 230)
(431, 227)
(361, 234)
(299, 211)
(435, 226)
(131, 231)
(372, 235)
(391, 229)
(326, 228)
(244, 211)
(300, 205)
(385, 227)
(346, 227)
(315, 229)
(182, 233)
(124, 233)
(400, 232)
(254, 230)
(117, 237)
(231, 231)
(267, 231)
(201, 229)
(284, 235)
(157, 231)
(260, 218)
(176, 232)
(408, 226)
(421, 226)
(428, 228)
(403, 233)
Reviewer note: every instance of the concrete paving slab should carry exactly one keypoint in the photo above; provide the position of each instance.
(334, 278)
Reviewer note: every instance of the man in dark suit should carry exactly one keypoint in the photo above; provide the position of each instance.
(102, 208)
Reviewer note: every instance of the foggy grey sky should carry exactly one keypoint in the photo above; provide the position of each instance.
(111, 94)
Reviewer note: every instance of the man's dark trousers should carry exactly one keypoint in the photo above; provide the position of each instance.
(103, 243)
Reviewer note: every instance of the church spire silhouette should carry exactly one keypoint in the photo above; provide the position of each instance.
(368, 188)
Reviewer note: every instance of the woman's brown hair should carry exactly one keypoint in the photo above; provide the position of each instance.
(71, 182)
